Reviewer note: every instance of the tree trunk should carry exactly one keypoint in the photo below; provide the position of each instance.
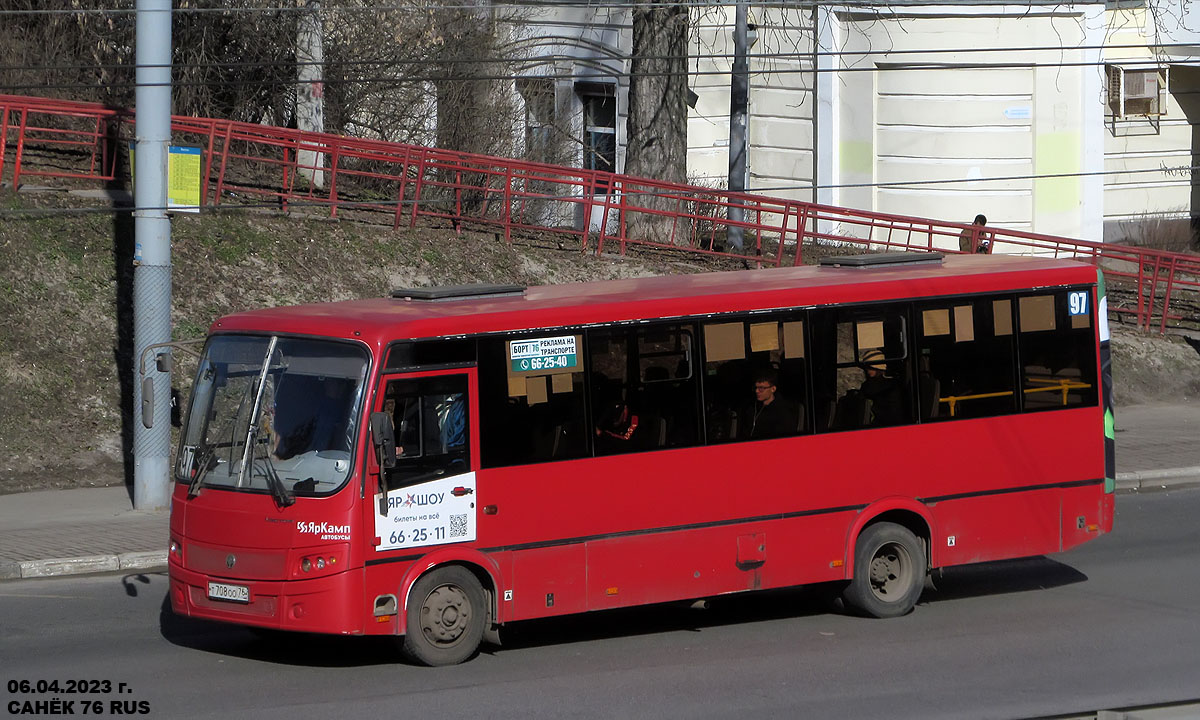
(657, 127)
(310, 92)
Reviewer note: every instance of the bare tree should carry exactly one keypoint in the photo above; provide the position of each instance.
(80, 56)
(656, 145)
(410, 72)
(235, 60)
(475, 98)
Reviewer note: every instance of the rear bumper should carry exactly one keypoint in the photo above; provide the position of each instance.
(331, 604)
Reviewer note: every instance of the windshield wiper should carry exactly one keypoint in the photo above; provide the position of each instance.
(205, 461)
(253, 425)
(274, 483)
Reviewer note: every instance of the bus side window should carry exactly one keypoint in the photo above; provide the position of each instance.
(666, 385)
(407, 418)
(643, 388)
(965, 358)
(617, 416)
(739, 356)
(1057, 348)
(529, 417)
(862, 368)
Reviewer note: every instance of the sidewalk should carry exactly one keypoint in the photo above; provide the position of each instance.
(87, 530)
(90, 530)
(1157, 445)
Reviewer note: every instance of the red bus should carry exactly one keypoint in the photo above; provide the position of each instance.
(441, 462)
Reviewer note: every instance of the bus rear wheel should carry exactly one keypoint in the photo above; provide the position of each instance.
(446, 617)
(889, 571)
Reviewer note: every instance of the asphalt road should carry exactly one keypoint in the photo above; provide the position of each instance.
(1115, 623)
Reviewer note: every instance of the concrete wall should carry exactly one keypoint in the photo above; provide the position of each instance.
(1004, 129)
(780, 118)
(911, 137)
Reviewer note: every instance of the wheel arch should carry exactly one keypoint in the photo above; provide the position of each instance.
(480, 565)
(905, 512)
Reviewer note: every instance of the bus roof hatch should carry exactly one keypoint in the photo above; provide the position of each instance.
(874, 260)
(473, 291)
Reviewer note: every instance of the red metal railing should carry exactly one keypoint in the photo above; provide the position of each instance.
(247, 163)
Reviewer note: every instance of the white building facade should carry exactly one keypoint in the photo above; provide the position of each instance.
(935, 109)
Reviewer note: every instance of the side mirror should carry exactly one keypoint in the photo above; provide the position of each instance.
(148, 403)
(383, 434)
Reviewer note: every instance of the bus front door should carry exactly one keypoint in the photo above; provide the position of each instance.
(428, 498)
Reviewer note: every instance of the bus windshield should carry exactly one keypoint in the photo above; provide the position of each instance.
(273, 414)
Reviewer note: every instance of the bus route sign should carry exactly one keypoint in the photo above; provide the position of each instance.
(543, 354)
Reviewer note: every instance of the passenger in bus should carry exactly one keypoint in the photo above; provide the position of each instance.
(976, 239)
(771, 415)
(881, 390)
(451, 413)
(615, 421)
(615, 426)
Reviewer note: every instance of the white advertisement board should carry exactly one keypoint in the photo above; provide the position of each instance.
(438, 512)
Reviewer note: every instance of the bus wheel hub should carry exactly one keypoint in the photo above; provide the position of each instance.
(886, 569)
(445, 614)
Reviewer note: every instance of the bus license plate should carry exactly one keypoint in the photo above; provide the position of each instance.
(232, 593)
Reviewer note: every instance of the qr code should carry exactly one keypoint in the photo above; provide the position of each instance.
(458, 525)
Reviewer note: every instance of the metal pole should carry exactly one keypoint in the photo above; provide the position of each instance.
(739, 92)
(152, 253)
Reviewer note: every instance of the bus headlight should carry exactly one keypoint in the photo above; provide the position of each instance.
(319, 561)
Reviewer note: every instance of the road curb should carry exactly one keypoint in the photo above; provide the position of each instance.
(51, 567)
(1158, 479)
(55, 567)
(151, 560)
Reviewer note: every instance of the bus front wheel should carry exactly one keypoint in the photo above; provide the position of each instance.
(446, 616)
(889, 571)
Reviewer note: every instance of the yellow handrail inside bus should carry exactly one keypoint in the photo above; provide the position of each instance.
(1051, 385)
(953, 400)
(1055, 384)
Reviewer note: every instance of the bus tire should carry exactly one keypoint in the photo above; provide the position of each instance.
(446, 617)
(889, 571)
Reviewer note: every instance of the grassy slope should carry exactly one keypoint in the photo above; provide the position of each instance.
(65, 321)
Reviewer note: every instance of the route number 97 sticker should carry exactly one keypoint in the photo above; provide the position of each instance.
(1077, 303)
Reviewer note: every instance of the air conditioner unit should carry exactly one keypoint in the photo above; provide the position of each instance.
(1136, 91)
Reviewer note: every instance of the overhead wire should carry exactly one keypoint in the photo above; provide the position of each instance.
(613, 72)
(425, 6)
(803, 55)
(604, 63)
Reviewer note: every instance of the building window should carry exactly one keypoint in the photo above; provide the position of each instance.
(599, 125)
